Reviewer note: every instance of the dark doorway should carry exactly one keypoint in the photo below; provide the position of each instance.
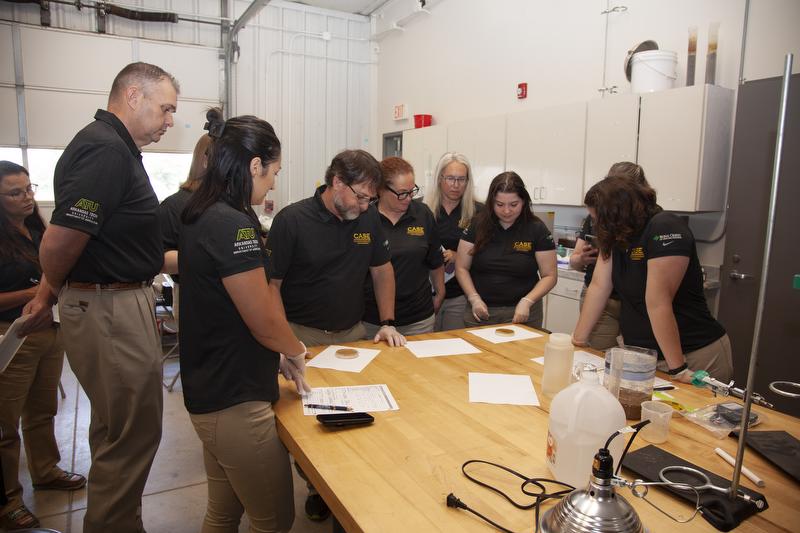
(748, 205)
(393, 144)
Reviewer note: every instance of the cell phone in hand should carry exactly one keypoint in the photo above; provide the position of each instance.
(591, 240)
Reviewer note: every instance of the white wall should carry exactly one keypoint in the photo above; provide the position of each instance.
(466, 58)
(315, 91)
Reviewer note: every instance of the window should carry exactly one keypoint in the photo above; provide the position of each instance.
(166, 171)
(11, 154)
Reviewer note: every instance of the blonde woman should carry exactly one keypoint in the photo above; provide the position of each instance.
(451, 199)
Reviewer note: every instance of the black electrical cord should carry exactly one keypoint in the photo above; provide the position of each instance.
(541, 496)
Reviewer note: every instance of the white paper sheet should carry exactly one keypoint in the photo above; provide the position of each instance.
(327, 359)
(599, 362)
(440, 347)
(362, 398)
(502, 388)
(491, 335)
(10, 343)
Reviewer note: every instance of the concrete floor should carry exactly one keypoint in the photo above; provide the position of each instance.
(175, 496)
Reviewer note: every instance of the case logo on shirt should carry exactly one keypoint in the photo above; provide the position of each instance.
(637, 254)
(415, 231)
(84, 210)
(523, 246)
(362, 238)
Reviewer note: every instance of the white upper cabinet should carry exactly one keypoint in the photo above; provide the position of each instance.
(612, 125)
(684, 146)
(483, 141)
(422, 148)
(546, 148)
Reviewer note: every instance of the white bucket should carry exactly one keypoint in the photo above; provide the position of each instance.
(653, 70)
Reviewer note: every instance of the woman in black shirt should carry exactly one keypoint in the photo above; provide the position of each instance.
(232, 328)
(29, 385)
(506, 258)
(649, 258)
(451, 200)
(416, 254)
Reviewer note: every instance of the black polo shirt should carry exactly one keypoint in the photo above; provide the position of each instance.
(450, 233)
(416, 250)
(18, 274)
(222, 364)
(664, 235)
(587, 228)
(506, 269)
(102, 189)
(169, 218)
(324, 262)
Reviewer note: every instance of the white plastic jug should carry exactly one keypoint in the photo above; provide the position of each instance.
(582, 417)
(558, 356)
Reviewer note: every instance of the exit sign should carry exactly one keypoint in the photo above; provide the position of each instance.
(400, 112)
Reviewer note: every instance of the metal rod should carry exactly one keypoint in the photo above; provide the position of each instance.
(762, 289)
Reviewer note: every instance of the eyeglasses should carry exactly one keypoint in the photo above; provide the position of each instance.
(363, 198)
(403, 195)
(455, 180)
(18, 194)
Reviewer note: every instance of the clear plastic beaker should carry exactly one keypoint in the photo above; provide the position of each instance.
(630, 373)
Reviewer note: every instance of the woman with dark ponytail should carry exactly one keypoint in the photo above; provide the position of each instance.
(233, 332)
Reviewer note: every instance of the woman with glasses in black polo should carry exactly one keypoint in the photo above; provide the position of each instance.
(29, 385)
(416, 254)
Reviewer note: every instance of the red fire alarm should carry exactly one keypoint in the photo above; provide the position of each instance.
(522, 90)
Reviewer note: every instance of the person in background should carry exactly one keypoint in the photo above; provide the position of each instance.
(169, 216)
(506, 259)
(606, 330)
(416, 254)
(29, 384)
(104, 247)
(321, 250)
(452, 204)
(233, 332)
(649, 257)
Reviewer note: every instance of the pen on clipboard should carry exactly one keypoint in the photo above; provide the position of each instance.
(328, 407)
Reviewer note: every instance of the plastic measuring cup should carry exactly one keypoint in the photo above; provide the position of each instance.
(659, 415)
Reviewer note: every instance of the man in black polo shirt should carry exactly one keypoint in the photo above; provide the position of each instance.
(103, 246)
(321, 250)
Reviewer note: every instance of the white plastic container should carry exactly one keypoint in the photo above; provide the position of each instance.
(653, 70)
(558, 355)
(582, 417)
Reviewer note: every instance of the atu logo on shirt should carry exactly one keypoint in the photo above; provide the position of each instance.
(245, 234)
(362, 238)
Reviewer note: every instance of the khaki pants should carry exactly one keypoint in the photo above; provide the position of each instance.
(715, 358)
(504, 315)
(247, 468)
(606, 329)
(451, 314)
(29, 390)
(416, 328)
(113, 346)
(320, 337)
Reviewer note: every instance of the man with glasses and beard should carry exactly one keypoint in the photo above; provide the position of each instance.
(320, 252)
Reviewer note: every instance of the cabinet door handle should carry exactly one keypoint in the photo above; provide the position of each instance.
(543, 193)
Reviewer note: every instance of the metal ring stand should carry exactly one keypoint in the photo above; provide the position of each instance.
(774, 387)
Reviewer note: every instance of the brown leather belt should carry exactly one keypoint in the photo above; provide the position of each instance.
(113, 286)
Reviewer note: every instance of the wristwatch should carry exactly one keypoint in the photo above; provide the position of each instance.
(389, 322)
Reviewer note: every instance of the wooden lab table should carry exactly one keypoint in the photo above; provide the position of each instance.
(395, 474)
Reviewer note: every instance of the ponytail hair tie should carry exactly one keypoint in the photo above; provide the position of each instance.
(215, 128)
